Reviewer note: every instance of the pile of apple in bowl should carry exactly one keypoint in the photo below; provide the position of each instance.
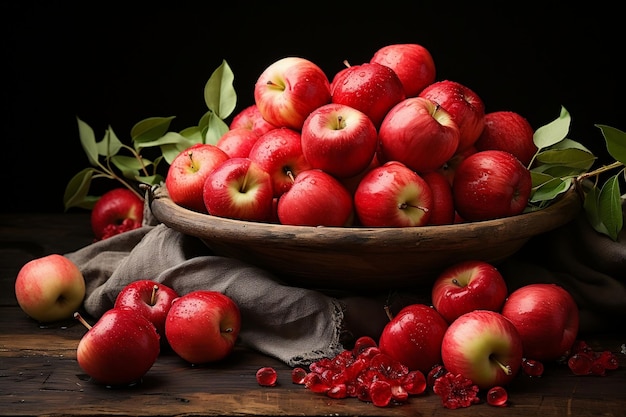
(374, 178)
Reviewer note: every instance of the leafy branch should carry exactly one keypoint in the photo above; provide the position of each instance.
(111, 159)
(561, 162)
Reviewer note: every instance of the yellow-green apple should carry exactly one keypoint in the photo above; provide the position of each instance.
(448, 169)
(250, 118)
(414, 337)
(119, 349)
(279, 152)
(316, 199)
(463, 104)
(239, 188)
(49, 288)
(546, 317)
(339, 139)
(508, 131)
(442, 210)
(489, 185)
(188, 171)
(483, 346)
(116, 211)
(418, 133)
(393, 195)
(149, 298)
(466, 286)
(289, 89)
(202, 326)
(370, 87)
(412, 62)
(237, 142)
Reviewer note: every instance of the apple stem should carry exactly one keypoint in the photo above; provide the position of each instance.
(346, 63)
(506, 368)
(388, 312)
(80, 318)
(456, 282)
(193, 165)
(405, 205)
(153, 296)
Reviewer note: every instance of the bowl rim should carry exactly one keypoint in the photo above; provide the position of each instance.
(562, 210)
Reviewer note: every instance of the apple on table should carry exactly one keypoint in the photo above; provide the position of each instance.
(466, 286)
(120, 348)
(483, 346)
(546, 317)
(150, 298)
(50, 288)
(116, 211)
(202, 326)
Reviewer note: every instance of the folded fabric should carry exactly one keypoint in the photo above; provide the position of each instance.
(298, 325)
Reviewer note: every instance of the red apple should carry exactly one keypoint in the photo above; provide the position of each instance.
(149, 298)
(508, 131)
(370, 87)
(116, 211)
(250, 118)
(467, 286)
(393, 195)
(188, 171)
(465, 107)
(279, 152)
(448, 169)
(49, 288)
(120, 348)
(237, 142)
(239, 189)
(316, 199)
(289, 89)
(413, 64)
(442, 210)
(202, 326)
(483, 346)
(490, 185)
(419, 134)
(414, 336)
(351, 183)
(546, 317)
(339, 139)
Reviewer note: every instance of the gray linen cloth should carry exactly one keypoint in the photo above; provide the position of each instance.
(298, 325)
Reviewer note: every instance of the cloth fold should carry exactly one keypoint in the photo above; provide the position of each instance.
(299, 326)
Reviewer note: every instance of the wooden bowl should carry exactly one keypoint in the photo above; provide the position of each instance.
(362, 258)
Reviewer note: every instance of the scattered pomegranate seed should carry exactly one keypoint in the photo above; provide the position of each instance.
(266, 376)
(297, 375)
(580, 364)
(497, 396)
(532, 367)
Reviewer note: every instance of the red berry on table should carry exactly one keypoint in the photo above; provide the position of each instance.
(266, 376)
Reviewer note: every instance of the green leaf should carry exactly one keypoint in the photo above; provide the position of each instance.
(151, 180)
(553, 132)
(591, 207)
(610, 207)
(77, 189)
(130, 166)
(615, 142)
(109, 145)
(88, 142)
(173, 143)
(149, 130)
(219, 93)
(549, 190)
(570, 157)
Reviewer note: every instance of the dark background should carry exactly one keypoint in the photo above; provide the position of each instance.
(114, 65)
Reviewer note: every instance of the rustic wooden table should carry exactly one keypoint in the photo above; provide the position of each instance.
(39, 374)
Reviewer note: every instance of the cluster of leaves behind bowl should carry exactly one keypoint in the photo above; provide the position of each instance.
(559, 163)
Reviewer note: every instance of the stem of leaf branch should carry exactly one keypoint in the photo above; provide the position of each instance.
(597, 172)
